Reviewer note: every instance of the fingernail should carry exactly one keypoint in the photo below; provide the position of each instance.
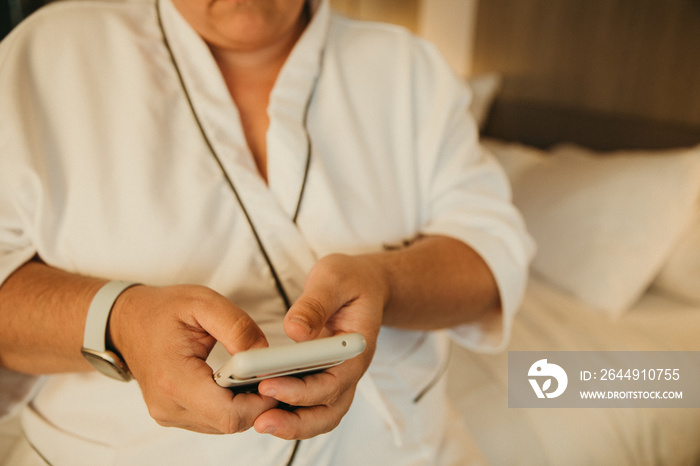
(269, 430)
(301, 322)
(271, 392)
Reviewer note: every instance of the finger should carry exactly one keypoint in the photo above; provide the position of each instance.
(228, 324)
(224, 421)
(221, 408)
(315, 389)
(303, 423)
(309, 314)
(305, 319)
(195, 402)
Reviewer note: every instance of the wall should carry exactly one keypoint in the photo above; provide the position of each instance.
(449, 24)
(402, 12)
(636, 57)
(625, 57)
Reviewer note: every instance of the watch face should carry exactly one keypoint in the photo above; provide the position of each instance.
(108, 363)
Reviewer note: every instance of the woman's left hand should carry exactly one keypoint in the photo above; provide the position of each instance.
(342, 294)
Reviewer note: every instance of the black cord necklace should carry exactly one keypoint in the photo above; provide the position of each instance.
(278, 283)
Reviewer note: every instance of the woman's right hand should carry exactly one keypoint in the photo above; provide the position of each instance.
(165, 334)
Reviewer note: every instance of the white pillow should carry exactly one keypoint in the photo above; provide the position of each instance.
(515, 158)
(605, 223)
(484, 88)
(680, 276)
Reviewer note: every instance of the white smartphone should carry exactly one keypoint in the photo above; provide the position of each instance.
(250, 367)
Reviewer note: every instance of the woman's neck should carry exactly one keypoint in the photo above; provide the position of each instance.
(250, 76)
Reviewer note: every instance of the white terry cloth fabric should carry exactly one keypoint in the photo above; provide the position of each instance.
(105, 173)
(16, 389)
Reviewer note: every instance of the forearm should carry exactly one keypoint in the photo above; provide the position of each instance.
(166, 334)
(42, 318)
(436, 282)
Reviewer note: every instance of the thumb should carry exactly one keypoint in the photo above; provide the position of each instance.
(327, 290)
(232, 327)
(307, 317)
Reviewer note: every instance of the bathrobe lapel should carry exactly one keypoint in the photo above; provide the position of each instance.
(271, 209)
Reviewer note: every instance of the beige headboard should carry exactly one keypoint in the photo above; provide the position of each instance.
(603, 73)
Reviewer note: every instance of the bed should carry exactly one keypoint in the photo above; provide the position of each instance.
(603, 153)
(617, 269)
(553, 320)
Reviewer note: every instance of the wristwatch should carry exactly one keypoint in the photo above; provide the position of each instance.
(94, 339)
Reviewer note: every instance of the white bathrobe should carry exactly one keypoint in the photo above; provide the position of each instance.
(104, 171)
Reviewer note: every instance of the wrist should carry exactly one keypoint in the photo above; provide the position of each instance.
(118, 321)
(378, 269)
(114, 336)
(95, 347)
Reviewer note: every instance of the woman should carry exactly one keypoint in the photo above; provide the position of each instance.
(255, 170)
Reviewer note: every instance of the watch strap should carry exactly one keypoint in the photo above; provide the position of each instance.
(95, 334)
